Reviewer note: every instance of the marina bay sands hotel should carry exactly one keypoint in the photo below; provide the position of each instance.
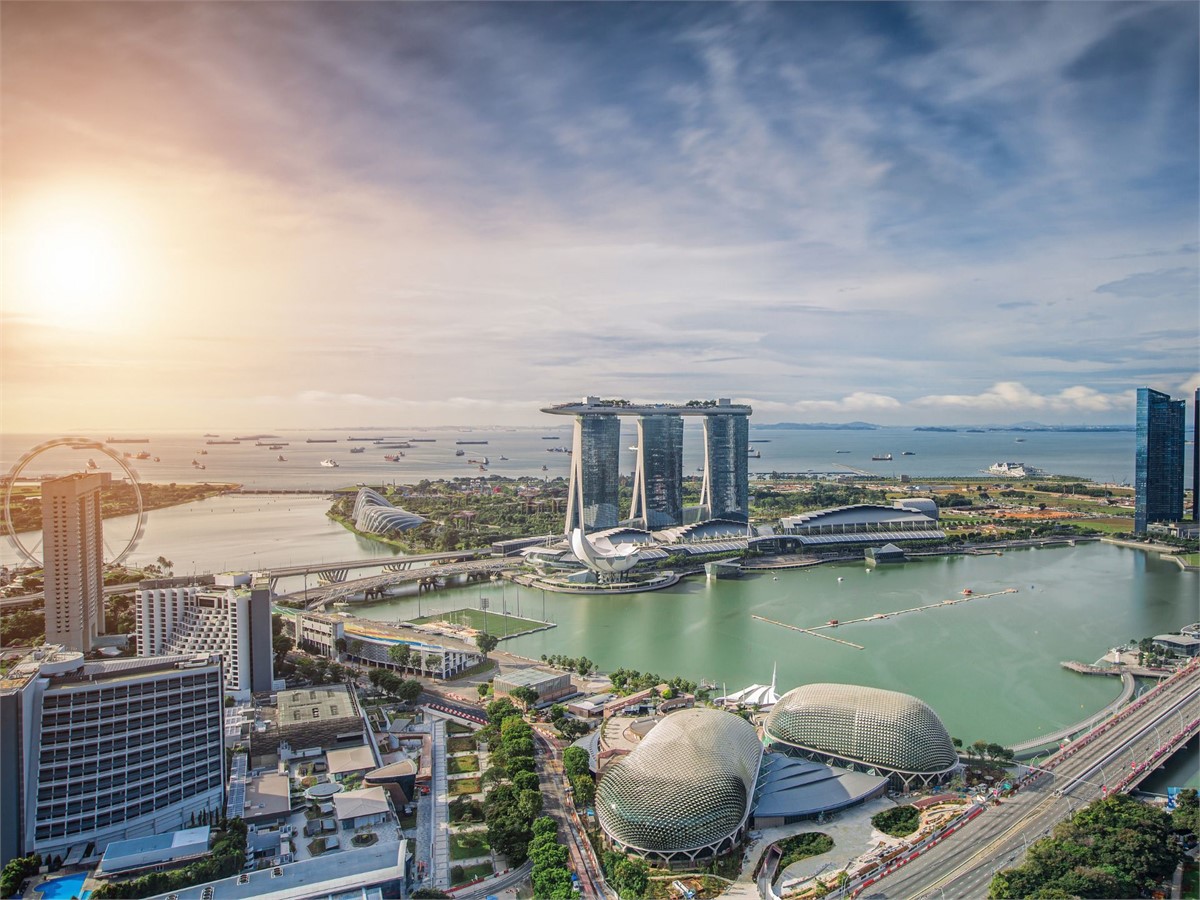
(592, 501)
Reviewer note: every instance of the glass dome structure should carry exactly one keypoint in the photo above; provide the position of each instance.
(373, 514)
(864, 728)
(685, 791)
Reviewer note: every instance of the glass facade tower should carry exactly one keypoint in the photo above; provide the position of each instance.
(593, 498)
(726, 490)
(658, 483)
(1158, 476)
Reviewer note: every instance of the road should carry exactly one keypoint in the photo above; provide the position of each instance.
(561, 809)
(31, 599)
(963, 865)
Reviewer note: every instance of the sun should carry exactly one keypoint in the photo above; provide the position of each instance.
(73, 266)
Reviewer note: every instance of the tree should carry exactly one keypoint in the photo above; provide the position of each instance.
(979, 747)
(1185, 817)
(957, 742)
(281, 646)
(499, 710)
(400, 654)
(525, 695)
(576, 761)
(585, 790)
(483, 689)
(486, 642)
(409, 690)
(995, 751)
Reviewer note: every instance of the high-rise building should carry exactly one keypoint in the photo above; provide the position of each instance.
(226, 615)
(658, 477)
(658, 480)
(1196, 457)
(73, 559)
(1158, 472)
(725, 493)
(92, 752)
(593, 500)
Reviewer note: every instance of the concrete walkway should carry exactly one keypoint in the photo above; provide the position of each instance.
(440, 813)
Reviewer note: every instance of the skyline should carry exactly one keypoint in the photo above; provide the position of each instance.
(298, 215)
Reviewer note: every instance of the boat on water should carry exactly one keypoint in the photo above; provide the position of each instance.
(113, 440)
(92, 464)
(550, 437)
(908, 453)
(1020, 440)
(211, 443)
(544, 468)
(210, 434)
(156, 459)
(392, 457)
(142, 455)
(321, 441)
(483, 468)
(503, 458)
(967, 592)
(196, 464)
(422, 440)
(883, 457)
(329, 463)
(358, 449)
(753, 453)
(841, 451)
(479, 462)
(460, 452)
(202, 452)
(277, 446)
(281, 458)
(470, 442)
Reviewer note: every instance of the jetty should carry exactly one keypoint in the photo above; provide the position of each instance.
(815, 630)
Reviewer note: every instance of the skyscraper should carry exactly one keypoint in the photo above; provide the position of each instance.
(593, 497)
(1158, 475)
(1196, 457)
(658, 481)
(73, 559)
(93, 752)
(725, 493)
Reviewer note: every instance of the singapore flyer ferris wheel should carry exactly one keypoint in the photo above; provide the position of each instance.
(29, 548)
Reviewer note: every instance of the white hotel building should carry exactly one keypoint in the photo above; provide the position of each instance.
(222, 614)
(92, 752)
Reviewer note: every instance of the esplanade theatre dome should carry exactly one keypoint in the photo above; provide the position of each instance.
(864, 728)
(684, 793)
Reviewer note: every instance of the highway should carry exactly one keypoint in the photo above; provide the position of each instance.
(31, 599)
(962, 866)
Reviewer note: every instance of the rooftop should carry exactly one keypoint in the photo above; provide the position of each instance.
(267, 795)
(364, 802)
(529, 677)
(596, 407)
(316, 704)
(350, 759)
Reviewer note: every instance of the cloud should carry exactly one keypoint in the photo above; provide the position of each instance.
(1180, 281)
(1014, 397)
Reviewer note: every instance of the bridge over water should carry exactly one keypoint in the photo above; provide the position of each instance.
(338, 572)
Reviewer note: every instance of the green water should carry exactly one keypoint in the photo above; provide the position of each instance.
(989, 667)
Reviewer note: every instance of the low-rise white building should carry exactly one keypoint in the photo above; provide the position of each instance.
(356, 809)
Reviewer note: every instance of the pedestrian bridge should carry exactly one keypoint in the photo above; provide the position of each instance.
(338, 572)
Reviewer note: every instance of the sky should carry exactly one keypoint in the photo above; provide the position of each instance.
(294, 215)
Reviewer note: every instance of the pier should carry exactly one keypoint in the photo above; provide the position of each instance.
(814, 630)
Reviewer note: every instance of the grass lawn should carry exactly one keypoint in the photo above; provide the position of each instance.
(461, 874)
(468, 844)
(458, 765)
(705, 887)
(464, 786)
(459, 728)
(485, 620)
(317, 847)
(1190, 559)
(460, 744)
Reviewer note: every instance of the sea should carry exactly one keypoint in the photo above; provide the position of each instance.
(1106, 457)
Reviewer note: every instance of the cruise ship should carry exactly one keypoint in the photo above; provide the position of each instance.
(1013, 470)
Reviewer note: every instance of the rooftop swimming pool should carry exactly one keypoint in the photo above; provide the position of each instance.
(65, 888)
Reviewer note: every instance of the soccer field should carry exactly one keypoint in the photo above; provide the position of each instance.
(496, 623)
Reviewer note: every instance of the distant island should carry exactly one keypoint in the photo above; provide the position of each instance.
(978, 429)
(818, 426)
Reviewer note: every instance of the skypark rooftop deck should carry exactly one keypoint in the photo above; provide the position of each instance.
(594, 406)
